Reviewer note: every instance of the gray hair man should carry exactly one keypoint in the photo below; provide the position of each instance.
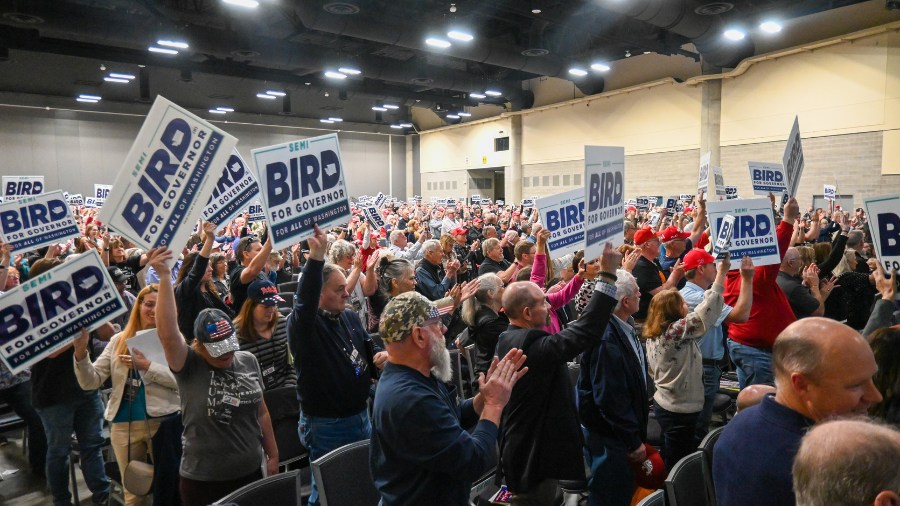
(400, 247)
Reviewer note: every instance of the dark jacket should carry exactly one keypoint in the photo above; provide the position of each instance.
(191, 300)
(486, 332)
(612, 396)
(541, 436)
(431, 281)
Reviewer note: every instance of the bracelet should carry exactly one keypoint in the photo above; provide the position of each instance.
(608, 275)
(105, 249)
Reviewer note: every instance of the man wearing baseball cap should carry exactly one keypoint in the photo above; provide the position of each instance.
(420, 452)
(676, 243)
(700, 271)
(648, 273)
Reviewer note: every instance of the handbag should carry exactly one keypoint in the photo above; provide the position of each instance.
(138, 477)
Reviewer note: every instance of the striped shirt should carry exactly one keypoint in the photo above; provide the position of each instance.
(273, 357)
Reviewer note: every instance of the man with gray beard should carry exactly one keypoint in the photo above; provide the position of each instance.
(421, 452)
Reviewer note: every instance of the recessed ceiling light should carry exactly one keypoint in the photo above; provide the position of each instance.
(335, 75)
(734, 34)
(326, 120)
(464, 114)
(90, 97)
(397, 126)
(276, 93)
(391, 106)
(224, 109)
(646, 52)
(249, 4)
(265, 96)
(575, 71)
(770, 27)
(535, 11)
(335, 119)
(217, 111)
(600, 67)
(458, 35)
(350, 71)
(116, 80)
(162, 50)
(379, 108)
(87, 100)
(406, 125)
(452, 116)
(477, 95)
(117, 75)
(173, 43)
(493, 93)
(441, 43)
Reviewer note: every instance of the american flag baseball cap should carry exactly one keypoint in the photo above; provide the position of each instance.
(214, 329)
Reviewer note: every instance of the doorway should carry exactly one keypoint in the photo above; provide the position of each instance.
(499, 185)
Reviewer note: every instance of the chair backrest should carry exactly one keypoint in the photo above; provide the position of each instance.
(267, 491)
(343, 478)
(284, 410)
(288, 299)
(290, 286)
(657, 498)
(707, 446)
(685, 485)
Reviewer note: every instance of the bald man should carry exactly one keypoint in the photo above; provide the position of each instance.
(848, 463)
(804, 291)
(823, 370)
(753, 395)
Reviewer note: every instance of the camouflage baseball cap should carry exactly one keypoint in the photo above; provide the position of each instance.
(402, 312)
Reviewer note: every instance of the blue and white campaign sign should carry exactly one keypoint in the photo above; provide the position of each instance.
(830, 192)
(76, 199)
(754, 228)
(653, 219)
(101, 191)
(32, 222)
(643, 202)
(703, 177)
(475, 199)
(685, 197)
(380, 199)
(17, 187)
(167, 177)
(793, 158)
(255, 211)
(670, 205)
(604, 172)
(529, 202)
(451, 202)
(731, 192)
(884, 223)
(501, 203)
(45, 313)
(91, 203)
(723, 240)
(302, 184)
(234, 189)
(719, 180)
(563, 215)
(373, 217)
(767, 177)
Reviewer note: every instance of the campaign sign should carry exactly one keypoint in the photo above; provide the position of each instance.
(101, 191)
(670, 205)
(167, 177)
(653, 201)
(17, 187)
(767, 177)
(723, 240)
(654, 219)
(703, 178)
(793, 158)
(374, 217)
(528, 202)
(442, 202)
(500, 203)
(475, 199)
(46, 312)
(302, 184)
(830, 192)
(235, 187)
(486, 202)
(719, 180)
(90, 203)
(884, 223)
(563, 215)
(451, 202)
(32, 222)
(379, 200)
(686, 197)
(76, 199)
(631, 202)
(643, 203)
(731, 192)
(754, 228)
(255, 212)
(604, 172)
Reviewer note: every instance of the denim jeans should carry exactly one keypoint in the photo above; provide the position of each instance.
(754, 366)
(678, 434)
(19, 399)
(612, 479)
(711, 376)
(84, 415)
(321, 435)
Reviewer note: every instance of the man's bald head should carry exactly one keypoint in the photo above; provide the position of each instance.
(824, 368)
(520, 295)
(848, 463)
(752, 395)
(792, 261)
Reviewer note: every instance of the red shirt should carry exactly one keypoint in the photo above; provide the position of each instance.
(770, 313)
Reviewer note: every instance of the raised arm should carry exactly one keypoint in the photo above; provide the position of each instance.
(741, 311)
(700, 224)
(258, 262)
(172, 341)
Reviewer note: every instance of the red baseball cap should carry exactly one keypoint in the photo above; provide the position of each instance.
(477, 221)
(643, 235)
(459, 231)
(651, 473)
(671, 232)
(688, 209)
(630, 208)
(697, 257)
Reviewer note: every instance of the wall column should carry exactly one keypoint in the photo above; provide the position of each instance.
(513, 176)
(711, 119)
(413, 171)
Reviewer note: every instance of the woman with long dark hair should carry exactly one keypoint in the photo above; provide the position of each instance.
(194, 288)
(219, 266)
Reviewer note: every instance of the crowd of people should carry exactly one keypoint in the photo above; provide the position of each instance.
(573, 356)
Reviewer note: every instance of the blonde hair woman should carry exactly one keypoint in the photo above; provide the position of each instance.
(137, 402)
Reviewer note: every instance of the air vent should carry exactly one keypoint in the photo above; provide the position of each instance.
(535, 52)
(714, 8)
(341, 8)
(244, 53)
(422, 81)
(25, 19)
